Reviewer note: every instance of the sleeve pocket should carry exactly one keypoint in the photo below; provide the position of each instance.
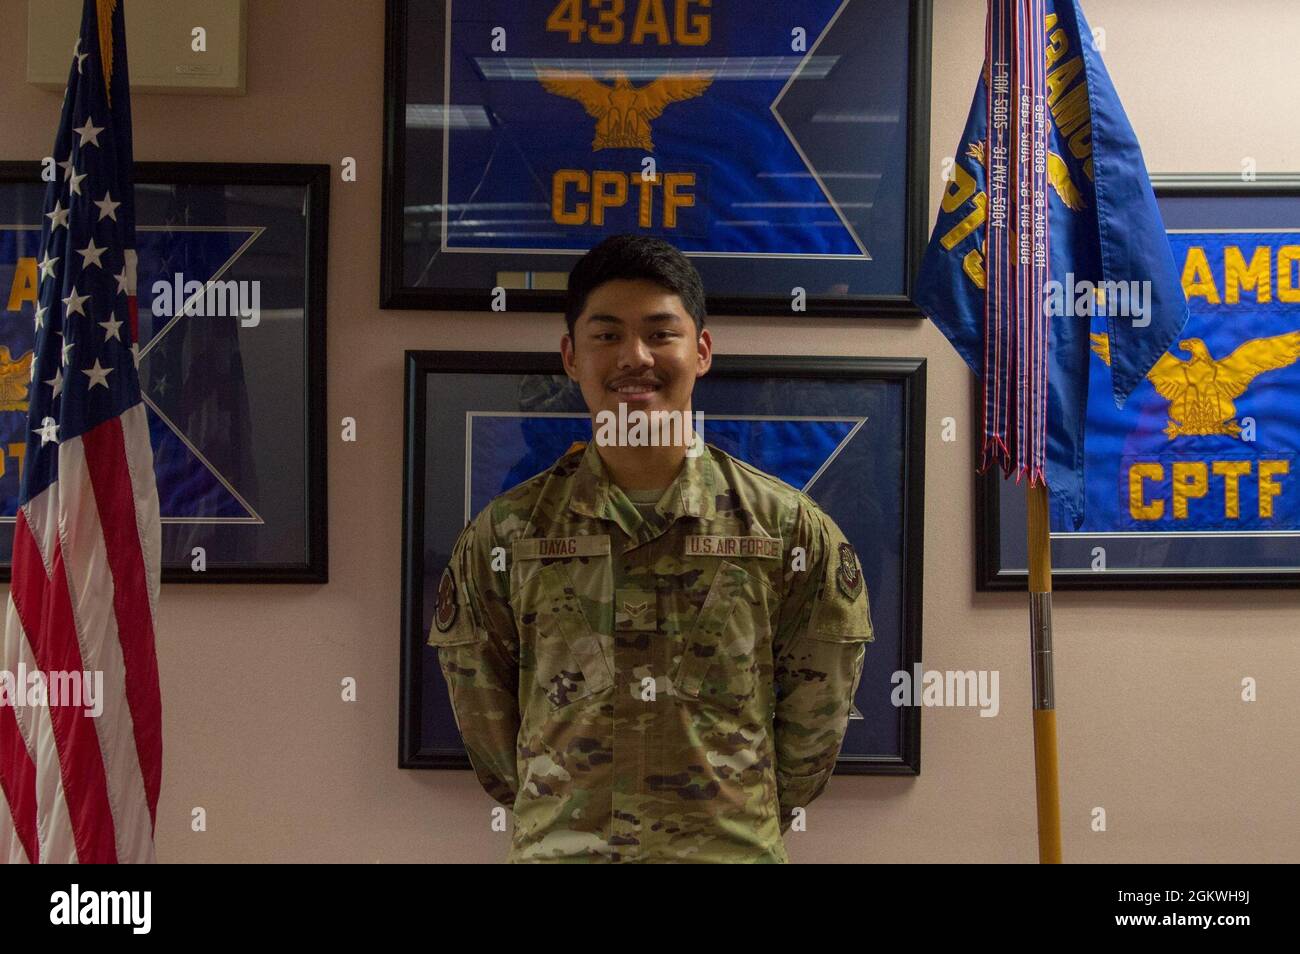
(836, 620)
(458, 635)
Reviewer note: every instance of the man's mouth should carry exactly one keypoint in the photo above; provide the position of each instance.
(635, 387)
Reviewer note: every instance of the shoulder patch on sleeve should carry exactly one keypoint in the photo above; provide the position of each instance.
(444, 615)
(849, 574)
(843, 610)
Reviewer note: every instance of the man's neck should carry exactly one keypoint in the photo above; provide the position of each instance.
(642, 468)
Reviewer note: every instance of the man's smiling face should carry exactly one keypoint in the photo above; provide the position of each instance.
(635, 343)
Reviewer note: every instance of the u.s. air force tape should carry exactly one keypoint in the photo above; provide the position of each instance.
(544, 548)
(705, 545)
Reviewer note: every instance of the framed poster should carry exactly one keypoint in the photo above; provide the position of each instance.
(231, 296)
(848, 431)
(782, 145)
(1195, 483)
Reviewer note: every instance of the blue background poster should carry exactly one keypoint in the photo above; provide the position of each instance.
(845, 440)
(742, 132)
(1199, 472)
(701, 97)
(232, 476)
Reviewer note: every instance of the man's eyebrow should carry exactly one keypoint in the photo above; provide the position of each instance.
(660, 316)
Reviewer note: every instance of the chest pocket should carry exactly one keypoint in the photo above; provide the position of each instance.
(721, 654)
(567, 658)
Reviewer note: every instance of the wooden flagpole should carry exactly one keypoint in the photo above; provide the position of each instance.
(1040, 645)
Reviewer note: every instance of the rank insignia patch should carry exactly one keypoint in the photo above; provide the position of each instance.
(445, 613)
(849, 574)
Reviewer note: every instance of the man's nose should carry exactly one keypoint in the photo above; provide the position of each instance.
(633, 353)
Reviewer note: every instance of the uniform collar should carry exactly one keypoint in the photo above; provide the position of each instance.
(691, 494)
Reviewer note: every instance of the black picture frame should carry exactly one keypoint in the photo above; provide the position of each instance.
(397, 292)
(313, 181)
(423, 696)
(1000, 507)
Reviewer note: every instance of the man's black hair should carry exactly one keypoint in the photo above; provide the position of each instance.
(630, 257)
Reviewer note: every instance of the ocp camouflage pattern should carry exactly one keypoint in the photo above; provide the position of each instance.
(631, 702)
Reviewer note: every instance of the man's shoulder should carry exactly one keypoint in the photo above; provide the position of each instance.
(512, 508)
(773, 503)
(749, 482)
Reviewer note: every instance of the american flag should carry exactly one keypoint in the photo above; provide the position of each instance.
(75, 787)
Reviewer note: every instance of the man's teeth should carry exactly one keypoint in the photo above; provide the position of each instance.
(635, 388)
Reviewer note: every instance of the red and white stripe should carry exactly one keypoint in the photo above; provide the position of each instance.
(84, 597)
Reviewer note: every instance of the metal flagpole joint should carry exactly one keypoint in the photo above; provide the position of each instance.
(1040, 644)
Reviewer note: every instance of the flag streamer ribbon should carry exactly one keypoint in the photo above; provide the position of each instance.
(1016, 323)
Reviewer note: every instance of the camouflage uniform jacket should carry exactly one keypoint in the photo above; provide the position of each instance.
(662, 689)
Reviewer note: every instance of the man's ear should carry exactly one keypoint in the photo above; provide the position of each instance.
(704, 349)
(566, 355)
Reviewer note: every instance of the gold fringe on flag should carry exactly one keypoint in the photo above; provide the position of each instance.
(104, 10)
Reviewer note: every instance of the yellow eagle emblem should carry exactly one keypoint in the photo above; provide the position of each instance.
(14, 379)
(1200, 390)
(623, 111)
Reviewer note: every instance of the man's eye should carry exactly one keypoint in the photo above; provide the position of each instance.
(665, 335)
(605, 336)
